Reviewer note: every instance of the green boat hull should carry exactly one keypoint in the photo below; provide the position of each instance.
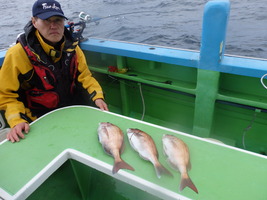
(197, 96)
(64, 184)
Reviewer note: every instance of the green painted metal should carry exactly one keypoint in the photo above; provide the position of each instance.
(87, 184)
(206, 94)
(83, 177)
(189, 97)
(124, 98)
(192, 95)
(215, 22)
(172, 107)
(219, 172)
(60, 185)
(242, 90)
(120, 62)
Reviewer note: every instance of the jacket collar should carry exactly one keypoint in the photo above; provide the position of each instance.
(68, 45)
(50, 50)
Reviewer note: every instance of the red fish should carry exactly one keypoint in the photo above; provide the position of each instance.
(112, 140)
(145, 146)
(178, 157)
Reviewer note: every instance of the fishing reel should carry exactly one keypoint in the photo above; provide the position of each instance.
(84, 17)
(77, 29)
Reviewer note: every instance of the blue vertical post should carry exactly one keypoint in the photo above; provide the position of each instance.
(215, 20)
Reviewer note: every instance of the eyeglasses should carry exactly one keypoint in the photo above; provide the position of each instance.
(54, 20)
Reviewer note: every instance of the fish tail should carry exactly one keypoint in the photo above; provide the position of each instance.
(160, 169)
(187, 182)
(121, 165)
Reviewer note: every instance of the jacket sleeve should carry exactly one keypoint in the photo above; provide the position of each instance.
(85, 76)
(15, 63)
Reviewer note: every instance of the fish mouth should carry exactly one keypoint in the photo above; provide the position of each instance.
(167, 135)
(130, 135)
(129, 130)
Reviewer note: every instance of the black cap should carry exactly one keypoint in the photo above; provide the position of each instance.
(45, 9)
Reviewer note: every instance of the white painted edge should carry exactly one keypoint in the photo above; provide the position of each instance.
(157, 126)
(4, 195)
(124, 176)
(103, 167)
(3, 141)
(175, 131)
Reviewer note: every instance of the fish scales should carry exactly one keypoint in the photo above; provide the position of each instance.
(145, 146)
(177, 154)
(112, 139)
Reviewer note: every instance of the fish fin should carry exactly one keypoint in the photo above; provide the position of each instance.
(160, 169)
(107, 150)
(121, 165)
(98, 137)
(187, 182)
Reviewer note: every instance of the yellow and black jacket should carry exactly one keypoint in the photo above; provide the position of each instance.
(37, 78)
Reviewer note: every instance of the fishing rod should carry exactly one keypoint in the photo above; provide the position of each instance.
(77, 29)
(118, 15)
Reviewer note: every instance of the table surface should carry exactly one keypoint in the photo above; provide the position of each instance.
(218, 171)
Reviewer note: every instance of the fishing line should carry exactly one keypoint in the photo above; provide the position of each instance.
(117, 15)
(77, 29)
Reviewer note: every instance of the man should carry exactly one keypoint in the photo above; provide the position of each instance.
(45, 70)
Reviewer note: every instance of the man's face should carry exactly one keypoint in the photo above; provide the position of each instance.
(52, 29)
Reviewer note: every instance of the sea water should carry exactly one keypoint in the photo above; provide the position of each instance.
(173, 23)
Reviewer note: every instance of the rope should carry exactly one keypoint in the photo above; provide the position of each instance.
(143, 101)
(263, 82)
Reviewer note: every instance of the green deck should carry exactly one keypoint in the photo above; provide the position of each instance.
(203, 94)
(218, 171)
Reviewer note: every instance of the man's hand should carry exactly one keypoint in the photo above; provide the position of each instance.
(101, 104)
(16, 132)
